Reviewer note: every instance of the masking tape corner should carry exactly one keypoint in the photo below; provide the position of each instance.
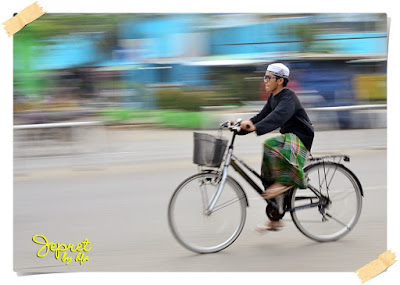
(23, 18)
(376, 267)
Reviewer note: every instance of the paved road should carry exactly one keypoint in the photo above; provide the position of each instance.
(120, 206)
(99, 148)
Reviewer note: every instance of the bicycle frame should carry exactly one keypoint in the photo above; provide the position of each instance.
(219, 190)
(235, 162)
(221, 185)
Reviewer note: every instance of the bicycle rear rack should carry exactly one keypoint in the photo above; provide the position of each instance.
(330, 157)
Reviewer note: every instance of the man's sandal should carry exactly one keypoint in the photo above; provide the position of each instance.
(264, 228)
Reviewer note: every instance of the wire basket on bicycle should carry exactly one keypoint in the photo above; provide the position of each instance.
(208, 150)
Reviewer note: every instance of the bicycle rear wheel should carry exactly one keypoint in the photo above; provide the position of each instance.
(198, 231)
(339, 207)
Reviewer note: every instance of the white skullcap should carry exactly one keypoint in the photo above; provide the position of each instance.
(279, 69)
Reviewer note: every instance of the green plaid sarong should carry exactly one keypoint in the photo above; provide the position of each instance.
(283, 161)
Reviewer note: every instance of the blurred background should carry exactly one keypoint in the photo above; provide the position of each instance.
(116, 97)
(190, 71)
(193, 71)
(169, 69)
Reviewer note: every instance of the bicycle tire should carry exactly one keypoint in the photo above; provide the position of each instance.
(197, 232)
(345, 193)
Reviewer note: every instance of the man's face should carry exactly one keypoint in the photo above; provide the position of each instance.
(270, 83)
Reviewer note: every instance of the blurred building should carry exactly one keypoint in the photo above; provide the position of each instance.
(330, 47)
(335, 59)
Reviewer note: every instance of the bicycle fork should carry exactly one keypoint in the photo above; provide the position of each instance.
(221, 184)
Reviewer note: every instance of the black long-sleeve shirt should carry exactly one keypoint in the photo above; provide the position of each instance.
(284, 110)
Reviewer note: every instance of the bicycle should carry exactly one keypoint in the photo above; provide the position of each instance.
(203, 205)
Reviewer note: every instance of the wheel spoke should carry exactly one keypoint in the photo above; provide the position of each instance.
(345, 193)
(336, 220)
(227, 203)
(204, 196)
(341, 204)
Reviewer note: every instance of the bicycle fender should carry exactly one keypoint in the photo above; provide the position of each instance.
(355, 178)
(340, 165)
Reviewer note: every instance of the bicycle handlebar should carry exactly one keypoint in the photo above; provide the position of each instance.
(231, 125)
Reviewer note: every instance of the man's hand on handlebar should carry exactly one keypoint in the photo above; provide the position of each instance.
(247, 126)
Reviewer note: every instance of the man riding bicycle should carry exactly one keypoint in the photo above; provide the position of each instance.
(284, 155)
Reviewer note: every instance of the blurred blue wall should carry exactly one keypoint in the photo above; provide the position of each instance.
(163, 42)
(67, 52)
(166, 38)
(272, 31)
(163, 34)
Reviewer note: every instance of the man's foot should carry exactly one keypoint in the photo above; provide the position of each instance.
(276, 224)
(275, 189)
(270, 226)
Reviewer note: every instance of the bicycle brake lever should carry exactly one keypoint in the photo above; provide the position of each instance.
(236, 128)
(223, 125)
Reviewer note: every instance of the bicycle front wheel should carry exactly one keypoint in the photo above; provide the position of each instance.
(203, 232)
(334, 210)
